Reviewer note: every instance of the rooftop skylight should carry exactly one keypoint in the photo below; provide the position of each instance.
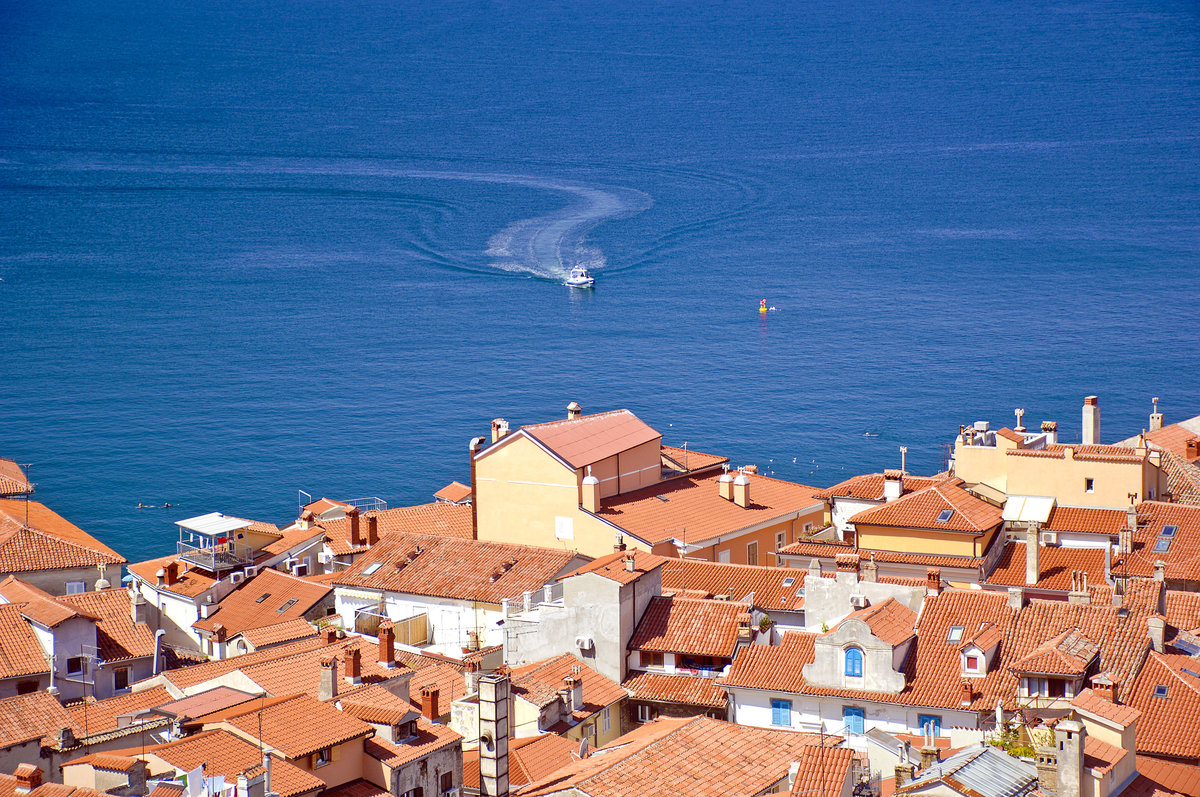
(1168, 531)
(371, 568)
(945, 515)
(789, 581)
(1160, 690)
(1162, 545)
(262, 597)
(289, 604)
(956, 634)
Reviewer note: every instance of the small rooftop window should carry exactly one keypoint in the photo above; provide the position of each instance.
(1192, 673)
(1160, 690)
(955, 635)
(371, 568)
(289, 604)
(1168, 531)
(1162, 545)
(262, 597)
(789, 581)
(945, 515)
(662, 498)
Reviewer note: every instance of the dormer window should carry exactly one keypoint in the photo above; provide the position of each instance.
(322, 757)
(956, 634)
(973, 663)
(854, 663)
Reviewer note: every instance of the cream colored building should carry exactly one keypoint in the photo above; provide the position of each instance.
(1019, 462)
(580, 483)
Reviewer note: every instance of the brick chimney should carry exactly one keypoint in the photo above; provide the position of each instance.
(387, 644)
(965, 695)
(741, 490)
(933, 582)
(356, 537)
(574, 411)
(352, 659)
(29, 777)
(172, 574)
(1105, 687)
(1047, 770)
(499, 430)
(1191, 449)
(328, 687)
(372, 529)
(1091, 421)
(619, 545)
(904, 773)
(744, 633)
(429, 702)
(328, 635)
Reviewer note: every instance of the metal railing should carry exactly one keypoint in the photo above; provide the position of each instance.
(372, 504)
(215, 558)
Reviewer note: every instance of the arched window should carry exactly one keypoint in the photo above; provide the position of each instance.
(854, 662)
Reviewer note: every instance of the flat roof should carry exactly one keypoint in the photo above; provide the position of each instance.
(213, 523)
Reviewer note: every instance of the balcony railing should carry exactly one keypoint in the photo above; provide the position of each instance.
(215, 558)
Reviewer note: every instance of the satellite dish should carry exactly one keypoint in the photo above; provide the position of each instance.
(583, 748)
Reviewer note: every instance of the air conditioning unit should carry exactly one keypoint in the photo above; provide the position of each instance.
(236, 578)
(584, 642)
(1049, 537)
(290, 564)
(451, 792)
(325, 557)
(858, 601)
(251, 571)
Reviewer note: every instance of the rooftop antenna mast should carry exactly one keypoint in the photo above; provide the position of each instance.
(903, 452)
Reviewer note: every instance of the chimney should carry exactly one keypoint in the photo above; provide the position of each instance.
(1191, 450)
(619, 545)
(1156, 628)
(305, 521)
(328, 635)
(429, 702)
(725, 486)
(356, 538)
(172, 572)
(630, 563)
(474, 447)
(1047, 770)
(1016, 598)
(574, 690)
(328, 688)
(352, 659)
(590, 492)
(1091, 421)
(933, 582)
(741, 490)
(29, 778)
(847, 568)
(1079, 588)
(220, 632)
(137, 607)
(1160, 570)
(1033, 569)
(1125, 535)
(574, 411)
(929, 756)
(1104, 687)
(1156, 418)
(904, 773)
(471, 677)
(1050, 430)
(387, 644)
(266, 773)
(162, 577)
(869, 571)
(893, 484)
(1068, 738)
(493, 735)
(499, 429)
(372, 529)
(965, 696)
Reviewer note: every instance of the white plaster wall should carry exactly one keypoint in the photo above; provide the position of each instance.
(845, 508)
(827, 600)
(449, 620)
(753, 707)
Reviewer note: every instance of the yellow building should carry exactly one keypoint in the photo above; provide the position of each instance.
(581, 482)
(1017, 462)
(943, 519)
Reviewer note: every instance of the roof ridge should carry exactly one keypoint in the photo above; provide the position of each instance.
(544, 424)
(1176, 673)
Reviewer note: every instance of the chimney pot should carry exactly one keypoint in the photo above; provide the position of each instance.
(328, 687)
(741, 490)
(1033, 570)
(499, 430)
(353, 661)
(574, 411)
(1091, 421)
(356, 537)
(372, 529)
(933, 581)
(429, 702)
(590, 492)
(725, 486)
(387, 644)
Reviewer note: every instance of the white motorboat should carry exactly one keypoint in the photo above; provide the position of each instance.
(580, 277)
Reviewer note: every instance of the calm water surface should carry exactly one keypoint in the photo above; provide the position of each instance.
(251, 248)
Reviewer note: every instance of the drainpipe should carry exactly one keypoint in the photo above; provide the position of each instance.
(158, 635)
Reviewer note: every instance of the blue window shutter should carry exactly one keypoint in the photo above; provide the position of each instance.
(854, 662)
(853, 717)
(781, 713)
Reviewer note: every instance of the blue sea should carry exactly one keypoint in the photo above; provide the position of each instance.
(252, 248)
